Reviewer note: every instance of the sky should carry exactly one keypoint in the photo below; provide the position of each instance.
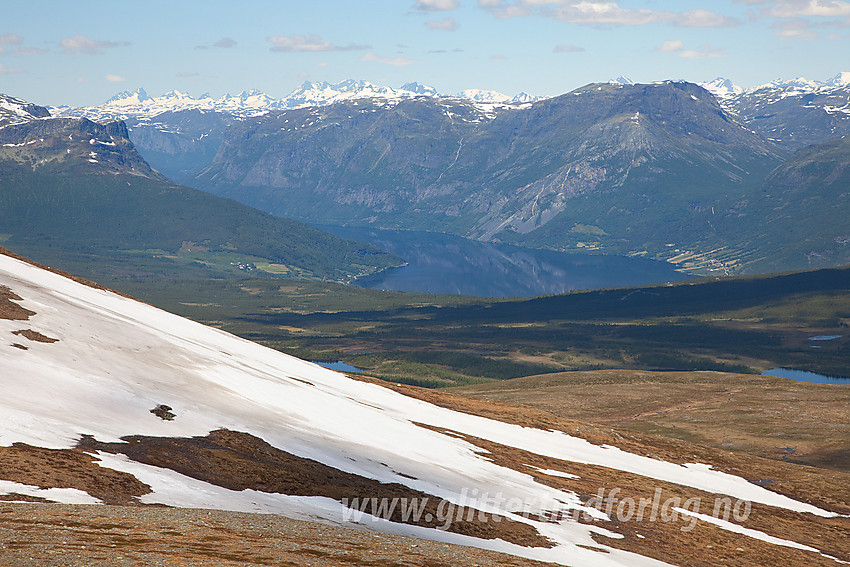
(83, 52)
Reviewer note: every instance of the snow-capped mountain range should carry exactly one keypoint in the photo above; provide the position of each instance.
(138, 104)
(724, 88)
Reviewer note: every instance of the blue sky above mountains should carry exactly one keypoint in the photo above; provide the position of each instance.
(82, 52)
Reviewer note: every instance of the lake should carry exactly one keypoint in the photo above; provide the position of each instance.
(803, 376)
(443, 263)
(340, 366)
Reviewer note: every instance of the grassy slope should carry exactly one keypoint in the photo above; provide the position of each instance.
(762, 415)
(136, 220)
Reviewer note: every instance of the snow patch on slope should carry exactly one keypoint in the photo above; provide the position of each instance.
(117, 358)
(60, 495)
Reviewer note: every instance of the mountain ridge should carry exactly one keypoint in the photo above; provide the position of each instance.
(139, 104)
(81, 187)
(595, 167)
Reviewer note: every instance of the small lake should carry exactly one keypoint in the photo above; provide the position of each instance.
(803, 376)
(340, 366)
(442, 263)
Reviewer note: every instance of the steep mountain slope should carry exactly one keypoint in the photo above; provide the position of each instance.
(182, 142)
(72, 184)
(803, 209)
(110, 400)
(180, 134)
(621, 168)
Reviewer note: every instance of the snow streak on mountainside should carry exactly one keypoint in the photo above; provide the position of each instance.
(139, 105)
(16, 111)
(141, 389)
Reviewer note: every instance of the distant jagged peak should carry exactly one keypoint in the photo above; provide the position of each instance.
(722, 87)
(621, 80)
(138, 104)
(419, 89)
(175, 94)
(842, 79)
(320, 93)
(525, 97)
(250, 93)
(479, 95)
(129, 97)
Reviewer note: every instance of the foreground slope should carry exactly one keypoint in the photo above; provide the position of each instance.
(110, 400)
(76, 185)
(63, 534)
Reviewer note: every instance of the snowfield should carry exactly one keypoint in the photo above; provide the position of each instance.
(117, 358)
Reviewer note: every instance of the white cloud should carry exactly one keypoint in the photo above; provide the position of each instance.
(567, 48)
(11, 39)
(802, 19)
(447, 24)
(9, 70)
(786, 9)
(671, 46)
(81, 45)
(436, 5)
(15, 39)
(397, 61)
(817, 8)
(115, 78)
(704, 19)
(704, 52)
(676, 46)
(225, 43)
(311, 43)
(796, 28)
(30, 50)
(604, 13)
(504, 9)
